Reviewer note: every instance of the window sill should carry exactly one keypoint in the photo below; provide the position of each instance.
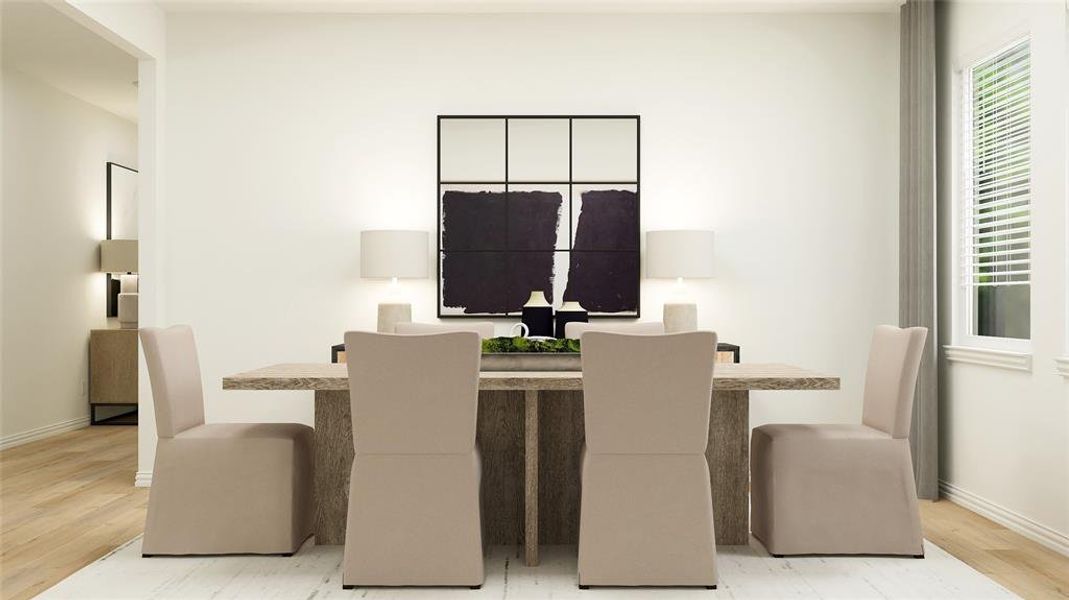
(1062, 366)
(1002, 359)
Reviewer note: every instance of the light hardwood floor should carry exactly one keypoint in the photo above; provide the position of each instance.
(1019, 564)
(65, 502)
(68, 500)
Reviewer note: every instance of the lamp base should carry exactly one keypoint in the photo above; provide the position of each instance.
(128, 310)
(390, 314)
(680, 317)
(128, 283)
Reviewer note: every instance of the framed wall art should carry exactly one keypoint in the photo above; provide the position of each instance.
(538, 203)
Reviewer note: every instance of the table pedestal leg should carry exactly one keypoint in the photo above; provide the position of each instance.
(728, 454)
(530, 448)
(333, 461)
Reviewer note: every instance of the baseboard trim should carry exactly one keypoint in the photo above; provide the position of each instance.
(40, 433)
(1018, 523)
(143, 479)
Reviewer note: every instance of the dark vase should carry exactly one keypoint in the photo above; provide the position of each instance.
(570, 312)
(538, 315)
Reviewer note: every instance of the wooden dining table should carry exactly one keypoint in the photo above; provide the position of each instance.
(530, 433)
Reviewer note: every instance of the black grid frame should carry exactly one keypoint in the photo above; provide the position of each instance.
(111, 284)
(571, 183)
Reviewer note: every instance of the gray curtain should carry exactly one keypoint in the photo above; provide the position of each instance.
(916, 236)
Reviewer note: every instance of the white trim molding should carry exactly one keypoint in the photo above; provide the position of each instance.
(1037, 532)
(143, 479)
(535, 6)
(1061, 364)
(1003, 359)
(40, 433)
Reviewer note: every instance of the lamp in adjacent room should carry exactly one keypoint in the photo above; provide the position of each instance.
(119, 257)
(393, 254)
(679, 255)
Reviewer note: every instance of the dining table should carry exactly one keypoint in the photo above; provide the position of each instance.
(530, 434)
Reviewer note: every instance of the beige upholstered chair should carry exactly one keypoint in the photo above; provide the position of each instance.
(646, 516)
(845, 489)
(576, 330)
(414, 487)
(485, 329)
(219, 488)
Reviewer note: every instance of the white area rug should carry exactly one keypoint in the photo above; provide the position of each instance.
(314, 573)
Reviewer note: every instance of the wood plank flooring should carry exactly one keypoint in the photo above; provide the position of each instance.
(68, 500)
(65, 502)
(1022, 566)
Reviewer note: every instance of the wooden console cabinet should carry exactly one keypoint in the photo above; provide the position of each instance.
(113, 374)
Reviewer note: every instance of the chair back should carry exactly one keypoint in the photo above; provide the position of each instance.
(575, 331)
(891, 378)
(485, 329)
(647, 394)
(413, 394)
(174, 372)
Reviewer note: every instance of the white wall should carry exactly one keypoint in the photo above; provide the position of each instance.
(1005, 434)
(288, 134)
(140, 28)
(55, 149)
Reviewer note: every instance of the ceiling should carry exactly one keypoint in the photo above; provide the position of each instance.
(529, 6)
(45, 44)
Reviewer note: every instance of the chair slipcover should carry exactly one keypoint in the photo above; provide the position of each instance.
(845, 489)
(413, 515)
(485, 329)
(219, 488)
(576, 330)
(646, 516)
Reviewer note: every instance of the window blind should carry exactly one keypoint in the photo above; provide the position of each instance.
(998, 170)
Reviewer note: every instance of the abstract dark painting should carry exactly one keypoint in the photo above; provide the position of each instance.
(559, 213)
(496, 248)
(603, 272)
(474, 221)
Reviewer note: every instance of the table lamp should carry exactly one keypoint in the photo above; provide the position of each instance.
(393, 255)
(679, 255)
(119, 257)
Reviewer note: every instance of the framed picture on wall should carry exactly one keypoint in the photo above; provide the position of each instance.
(538, 203)
(121, 214)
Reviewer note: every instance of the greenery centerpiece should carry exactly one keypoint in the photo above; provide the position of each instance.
(526, 354)
(508, 345)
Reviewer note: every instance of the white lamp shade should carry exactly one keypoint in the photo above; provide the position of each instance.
(679, 253)
(118, 256)
(385, 254)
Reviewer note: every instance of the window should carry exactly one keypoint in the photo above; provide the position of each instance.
(996, 163)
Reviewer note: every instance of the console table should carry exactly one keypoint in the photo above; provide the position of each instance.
(530, 433)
